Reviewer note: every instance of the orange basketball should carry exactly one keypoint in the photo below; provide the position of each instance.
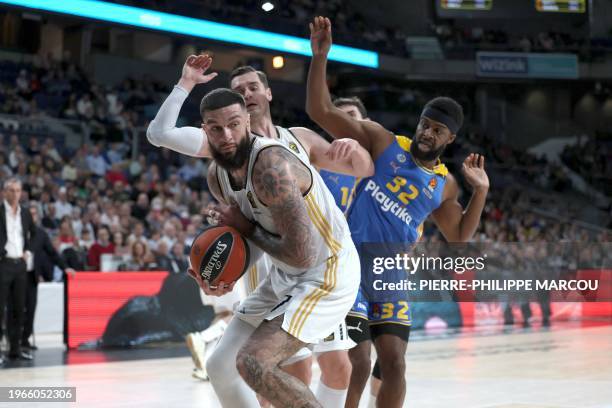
(218, 254)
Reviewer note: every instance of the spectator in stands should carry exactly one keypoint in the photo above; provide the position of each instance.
(80, 162)
(545, 41)
(141, 259)
(50, 221)
(62, 206)
(137, 234)
(96, 162)
(22, 172)
(190, 234)
(5, 170)
(69, 171)
(154, 238)
(33, 148)
(76, 221)
(179, 262)
(155, 218)
(114, 105)
(137, 166)
(85, 107)
(192, 168)
(162, 257)
(50, 150)
(50, 166)
(152, 175)
(109, 215)
(116, 175)
(33, 165)
(70, 108)
(22, 83)
(115, 153)
(86, 241)
(169, 236)
(16, 155)
(67, 237)
(119, 241)
(101, 246)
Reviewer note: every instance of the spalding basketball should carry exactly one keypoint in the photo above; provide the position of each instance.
(219, 253)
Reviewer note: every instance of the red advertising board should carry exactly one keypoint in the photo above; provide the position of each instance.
(93, 297)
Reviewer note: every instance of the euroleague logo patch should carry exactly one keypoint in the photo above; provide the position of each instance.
(294, 147)
(433, 183)
(216, 257)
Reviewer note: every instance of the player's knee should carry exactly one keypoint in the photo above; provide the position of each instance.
(343, 369)
(360, 362)
(250, 365)
(336, 366)
(301, 370)
(392, 367)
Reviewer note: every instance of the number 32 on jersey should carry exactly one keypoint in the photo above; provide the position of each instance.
(405, 195)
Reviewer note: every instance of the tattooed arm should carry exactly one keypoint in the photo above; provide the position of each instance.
(279, 179)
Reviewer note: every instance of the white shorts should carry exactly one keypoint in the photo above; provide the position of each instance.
(244, 287)
(313, 303)
(302, 354)
(338, 340)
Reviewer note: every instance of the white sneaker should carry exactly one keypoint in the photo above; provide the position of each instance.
(197, 348)
(199, 374)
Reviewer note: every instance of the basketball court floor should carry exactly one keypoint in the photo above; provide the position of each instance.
(568, 365)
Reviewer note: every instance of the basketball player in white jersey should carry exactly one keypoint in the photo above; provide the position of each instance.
(332, 357)
(331, 352)
(279, 202)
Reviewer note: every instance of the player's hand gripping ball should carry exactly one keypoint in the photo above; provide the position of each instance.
(219, 257)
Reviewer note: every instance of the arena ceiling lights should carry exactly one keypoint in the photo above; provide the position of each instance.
(153, 20)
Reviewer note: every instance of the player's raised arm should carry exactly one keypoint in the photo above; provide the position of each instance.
(456, 224)
(341, 156)
(278, 181)
(319, 105)
(162, 130)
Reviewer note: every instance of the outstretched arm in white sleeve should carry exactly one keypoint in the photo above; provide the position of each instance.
(162, 130)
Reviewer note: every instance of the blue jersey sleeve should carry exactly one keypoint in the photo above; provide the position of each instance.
(340, 185)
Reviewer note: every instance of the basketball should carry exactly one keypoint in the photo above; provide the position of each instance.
(218, 254)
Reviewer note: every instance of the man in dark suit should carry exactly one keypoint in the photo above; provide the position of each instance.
(178, 258)
(16, 232)
(45, 257)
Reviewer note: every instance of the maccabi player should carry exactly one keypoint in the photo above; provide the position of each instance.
(409, 184)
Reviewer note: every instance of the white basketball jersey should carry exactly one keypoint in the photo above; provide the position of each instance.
(329, 224)
(286, 137)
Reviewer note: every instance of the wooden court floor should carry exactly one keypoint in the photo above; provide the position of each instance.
(558, 368)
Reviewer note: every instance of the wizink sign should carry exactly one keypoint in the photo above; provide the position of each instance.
(489, 65)
(526, 65)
